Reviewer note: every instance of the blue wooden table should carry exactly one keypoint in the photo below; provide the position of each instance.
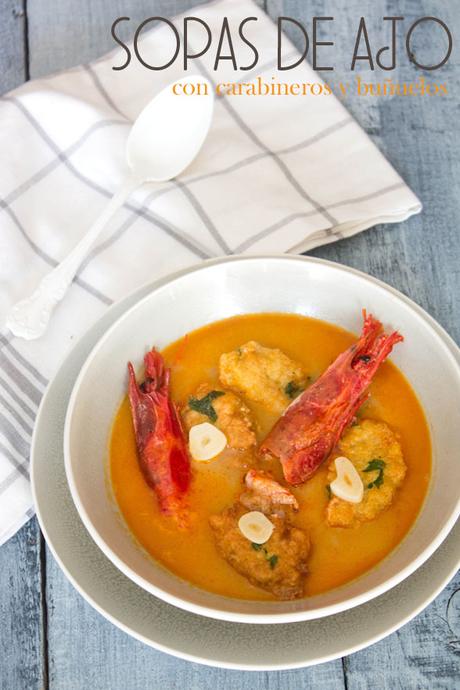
(49, 636)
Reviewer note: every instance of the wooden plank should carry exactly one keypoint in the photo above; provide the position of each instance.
(87, 36)
(22, 640)
(420, 257)
(13, 67)
(21, 630)
(423, 654)
(86, 651)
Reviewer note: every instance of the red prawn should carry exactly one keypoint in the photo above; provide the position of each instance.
(313, 423)
(162, 449)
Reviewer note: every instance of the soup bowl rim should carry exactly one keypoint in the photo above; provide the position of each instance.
(451, 351)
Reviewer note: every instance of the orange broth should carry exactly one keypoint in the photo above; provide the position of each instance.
(338, 555)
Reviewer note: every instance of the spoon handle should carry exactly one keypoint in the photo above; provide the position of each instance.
(29, 318)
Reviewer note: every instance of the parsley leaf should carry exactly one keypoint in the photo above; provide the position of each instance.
(291, 389)
(273, 560)
(204, 405)
(376, 465)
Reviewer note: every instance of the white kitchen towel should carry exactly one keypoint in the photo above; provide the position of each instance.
(277, 174)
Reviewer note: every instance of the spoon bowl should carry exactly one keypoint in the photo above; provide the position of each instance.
(170, 131)
(163, 141)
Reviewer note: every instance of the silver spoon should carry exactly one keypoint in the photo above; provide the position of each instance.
(163, 141)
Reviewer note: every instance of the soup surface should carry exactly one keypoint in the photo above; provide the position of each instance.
(337, 554)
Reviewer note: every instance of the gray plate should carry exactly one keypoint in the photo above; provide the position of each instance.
(172, 630)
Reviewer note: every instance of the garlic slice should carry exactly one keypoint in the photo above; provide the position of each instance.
(348, 485)
(256, 527)
(206, 441)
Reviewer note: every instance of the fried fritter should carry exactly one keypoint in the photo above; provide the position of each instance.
(264, 375)
(369, 444)
(233, 417)
(278, 566)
